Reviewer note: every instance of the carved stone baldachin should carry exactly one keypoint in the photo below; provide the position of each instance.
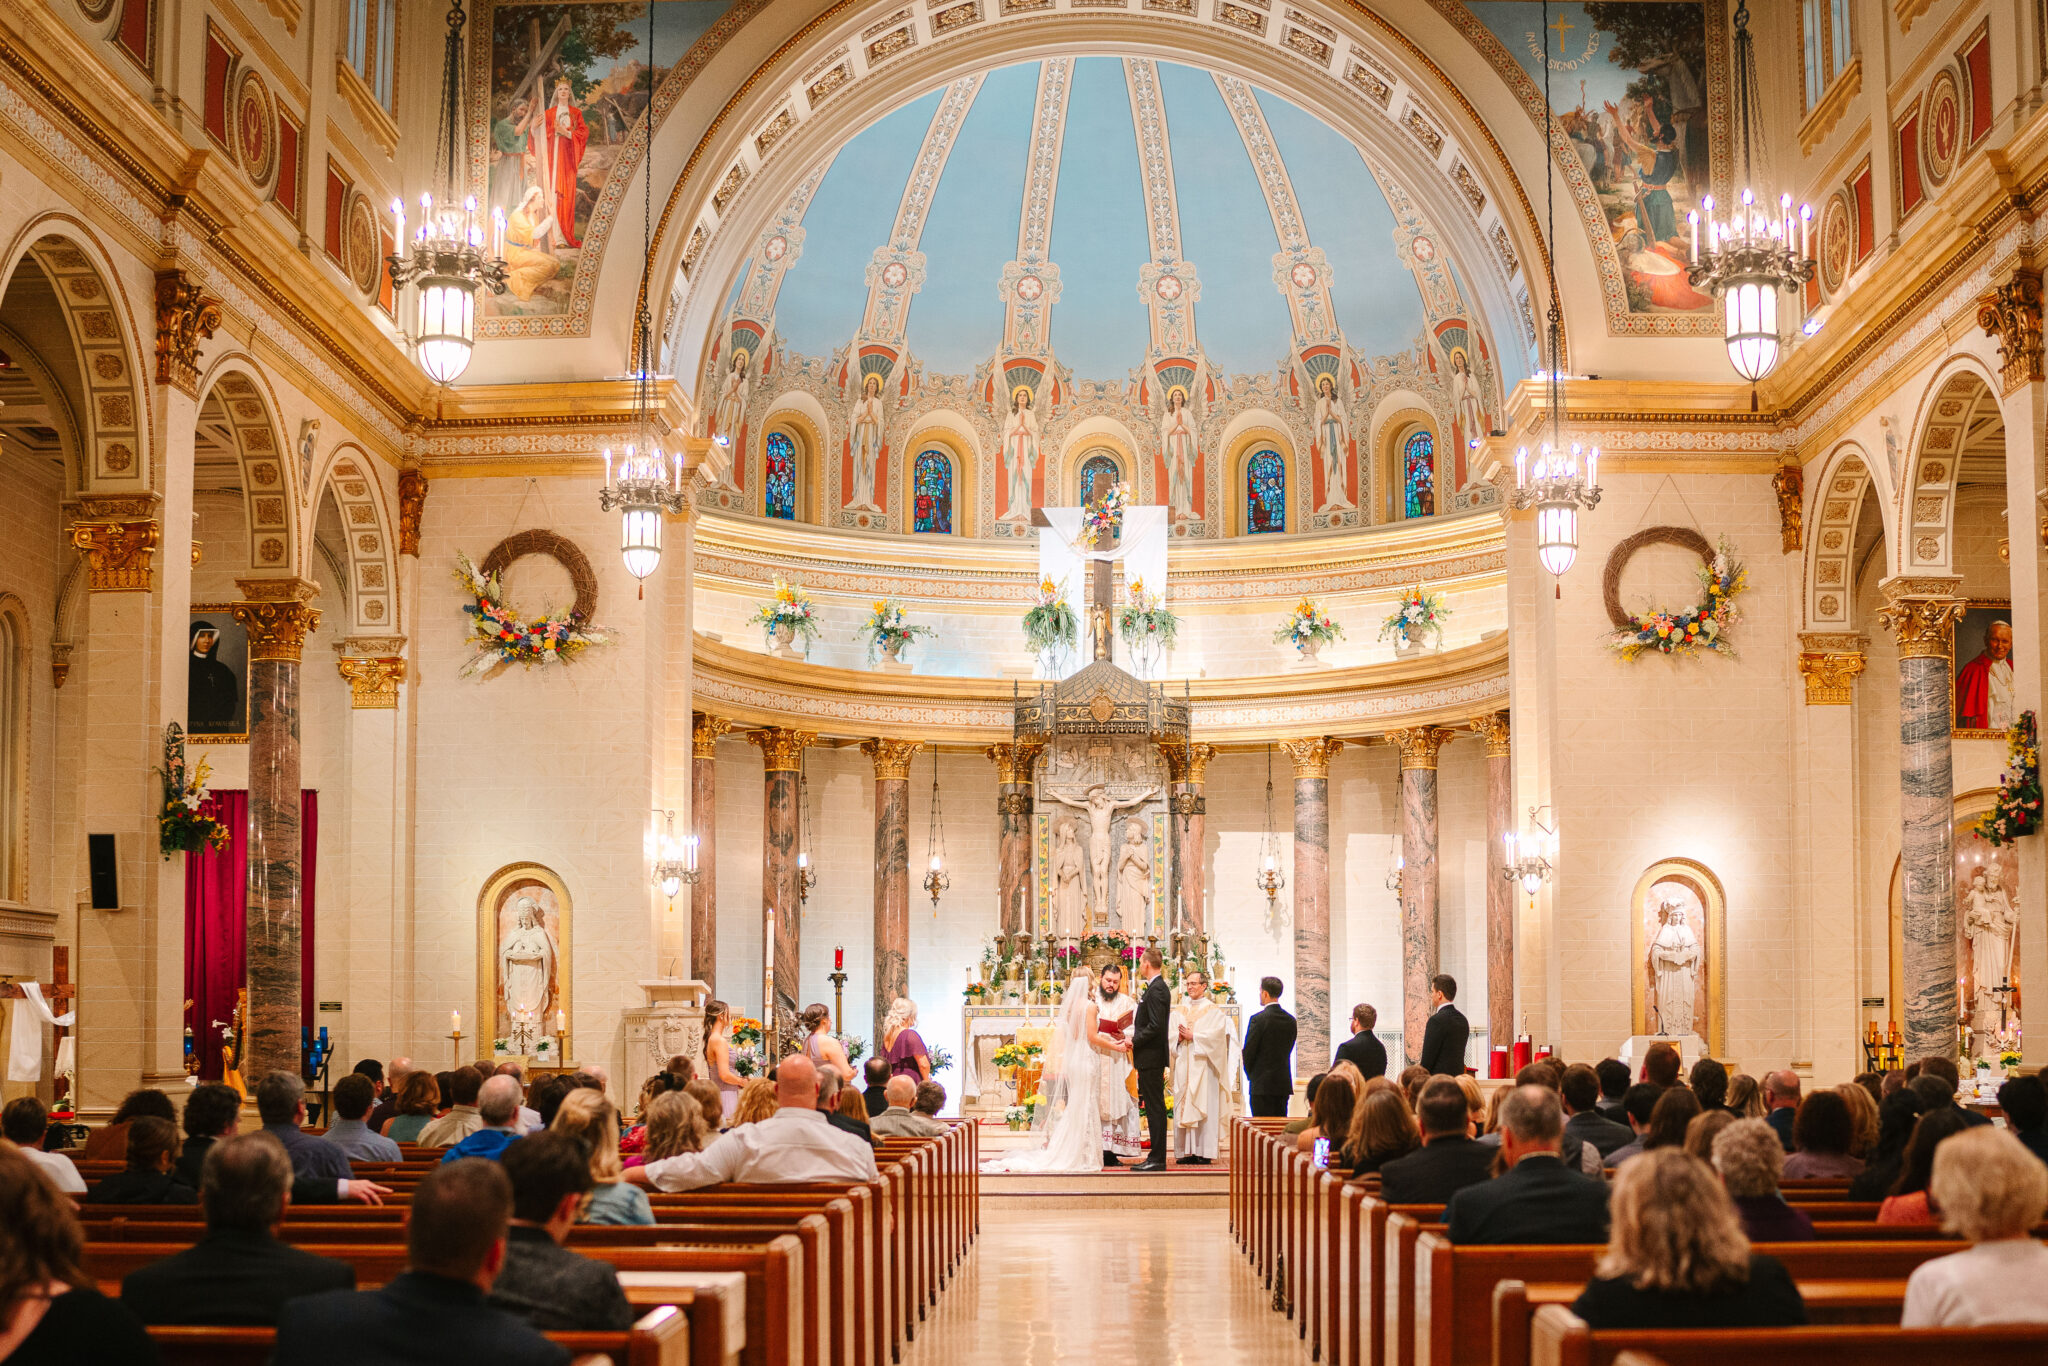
(185, 316)
(1789, 483)
(278, 615)
(1312, 756)
(2011, 312)
(782, 749)
(118, 555)
(1419, 744)
(891, 758)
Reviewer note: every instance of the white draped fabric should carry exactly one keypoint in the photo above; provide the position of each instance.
(1063, 559)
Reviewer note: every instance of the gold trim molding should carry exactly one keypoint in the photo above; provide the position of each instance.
(1015, 763)
(1830, 678)
(278, 617)
(1822, 118)
(782, 748)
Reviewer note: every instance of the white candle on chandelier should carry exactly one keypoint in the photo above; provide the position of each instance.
(1805, 224)
(607, 466)
(1592, 464)
(1692, 218)
(1521, 468)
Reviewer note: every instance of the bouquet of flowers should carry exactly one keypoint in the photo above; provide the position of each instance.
(181, 825)
(1013, 1055)
(749, 1053)
(1144, 623)
(501, 635)
(1103, 518)
(1221, 992)
(1050, 624)
(854, 1045)
(940, 1059)
(975, 992)
(1307, 625)
(2007, 1042)
(1418, 614)
(2017, 811)
(790, 611)
(887, 631)
(1693, 629)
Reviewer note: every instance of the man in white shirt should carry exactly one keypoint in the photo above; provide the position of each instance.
(794, 1144)
(25, 1123)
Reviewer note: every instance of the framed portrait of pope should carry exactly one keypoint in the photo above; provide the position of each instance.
(1981, 662)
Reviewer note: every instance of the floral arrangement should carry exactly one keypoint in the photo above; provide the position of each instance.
(1014, 1055)
(1144, 622)
(940, 1059)
(2007, 1042)
(749, 1050)
(887, 631)
(1103, 518)
(501, 635)
(1126, 949)
(1417, 615)
(976, 991)
(1695, 629)
(181, 825)
(1222, 993)
(1307, 624)
(1016, 1116)
(2017, 811)
(854, 1045)
(790, 608)
(1051, 624)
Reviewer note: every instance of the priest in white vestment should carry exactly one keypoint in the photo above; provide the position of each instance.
(1204, 1066)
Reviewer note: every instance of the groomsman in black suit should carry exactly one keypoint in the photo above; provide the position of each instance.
(1268, 1053)
(1443, 1039)
(1148, 1055)
(1363, 1049)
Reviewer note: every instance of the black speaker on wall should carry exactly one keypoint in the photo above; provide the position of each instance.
(106, 882)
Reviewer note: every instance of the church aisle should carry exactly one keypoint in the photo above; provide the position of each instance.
(1115, 1287)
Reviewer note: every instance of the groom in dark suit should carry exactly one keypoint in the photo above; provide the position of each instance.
(1148, 1055)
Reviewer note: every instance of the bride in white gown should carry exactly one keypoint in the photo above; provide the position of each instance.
(1067, 1129)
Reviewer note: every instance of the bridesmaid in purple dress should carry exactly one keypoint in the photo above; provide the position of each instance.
(901, 1046)
(718, 1058)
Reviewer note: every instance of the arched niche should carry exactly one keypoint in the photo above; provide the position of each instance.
(1395, 425)
(1693, 886)
(506, 953)
(16, 658)
(1093, 437)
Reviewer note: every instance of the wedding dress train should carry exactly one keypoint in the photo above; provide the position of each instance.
(1068, 1127)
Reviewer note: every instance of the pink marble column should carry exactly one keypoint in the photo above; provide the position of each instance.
(1500, 893)
(1016, 909)
(892, 871)
(781, 906)
(1187, 767)
(704, 732)
(1311, 897)
(276, 615)
(1420, 877)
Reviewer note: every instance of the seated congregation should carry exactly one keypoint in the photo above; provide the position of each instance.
(434, 1217)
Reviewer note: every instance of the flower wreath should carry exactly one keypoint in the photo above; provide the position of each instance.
(501, 635)
(1697, 628)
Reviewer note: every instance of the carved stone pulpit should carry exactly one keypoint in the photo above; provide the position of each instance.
(671, 1022)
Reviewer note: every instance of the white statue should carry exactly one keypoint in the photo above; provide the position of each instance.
(1020, 455)
(1675, 969)
(1989, 921)
(1177, 444)
(1101, 809)
(732, 400)
(1134, 879)
(867, 445)
(526, 963)
(1333, 441)
(1069, 902)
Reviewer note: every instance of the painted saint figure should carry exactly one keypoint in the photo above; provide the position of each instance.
(1020, 455)
(1177, 444)
(1333, 440)
(1468, 402)
(1675, 969)
(557, 139)
(866, 443)
(732, 399)
(528, 251)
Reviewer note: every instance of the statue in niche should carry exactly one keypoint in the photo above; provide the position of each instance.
(866, 445)
(1177, 443)
(1674, 969)
(1333, 442)
(1069, 904)
(526, 973)
(1102, 809)
(1020, 455)
(1134, 879)
(1989, 919)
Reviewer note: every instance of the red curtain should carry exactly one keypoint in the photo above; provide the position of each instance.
(216, 899)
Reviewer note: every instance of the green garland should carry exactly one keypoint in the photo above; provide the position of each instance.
(2017, 811)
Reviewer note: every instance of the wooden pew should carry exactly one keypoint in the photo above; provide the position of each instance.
(1561, 1338)
(1834, 1302)
(660, 1338)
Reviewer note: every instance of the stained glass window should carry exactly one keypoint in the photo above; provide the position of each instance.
(778, 493)
(1418, 475)
(932, 493)
(1098, 474)
(1265, 493)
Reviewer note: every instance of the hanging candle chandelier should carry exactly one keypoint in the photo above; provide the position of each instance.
(806, 875)
(1755, 252)
(1269, 879)
(936, 879)
(446, 259)
(644, 482)
(1560, 479)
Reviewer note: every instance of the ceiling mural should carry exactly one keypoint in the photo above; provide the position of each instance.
(1640, 93)
(1067, 262)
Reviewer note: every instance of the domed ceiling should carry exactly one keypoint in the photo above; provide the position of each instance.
(1125, 255)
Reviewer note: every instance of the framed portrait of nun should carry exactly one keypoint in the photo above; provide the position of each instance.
(217, 682)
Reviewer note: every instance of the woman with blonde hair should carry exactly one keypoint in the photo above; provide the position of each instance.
(1862, 1116)
(718, 1058)
(757, 1102)
(675, 1124)
(901, 1046)
(1745, 1096)
(594, 1121)
(1382, 1129)
(1992, 1191)
(1677, 1258)
(1700, 1132)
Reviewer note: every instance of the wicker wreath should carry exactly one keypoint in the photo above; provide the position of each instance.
(556, 547)
(1618, 558)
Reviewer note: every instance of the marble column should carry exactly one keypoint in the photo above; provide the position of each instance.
(704, 732)
(781, 906)
(276, 614)
(1922, 612)
(1187, 771)
(1311, 899)
(1420, 877)
(1015, 888)
(891, 759)
(1500, 893)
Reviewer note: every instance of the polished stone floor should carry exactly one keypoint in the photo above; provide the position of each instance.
(1112, 1287)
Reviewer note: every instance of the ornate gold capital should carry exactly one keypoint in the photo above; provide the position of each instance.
(782, 749)
(1922, 613)
(704, 732)
(277, 615)
(185, 316)
(1419, 744)
(117, 554)
(60, 662)
(372, 681)
(412, 502)
(1185, 763)
(1789, 483)
(1830, 678)
(1312, 756)
(2011, 312)
(1493, 728)
(1015, 763)
(891, 758)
